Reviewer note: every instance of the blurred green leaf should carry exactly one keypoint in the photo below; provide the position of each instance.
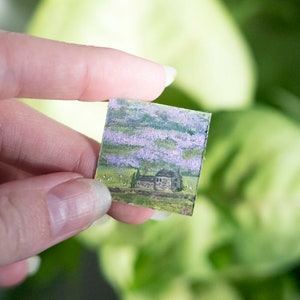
(200, 39)
(272, 28)
(281, 287)
(252, 174)
(155, 256)
(59, 272)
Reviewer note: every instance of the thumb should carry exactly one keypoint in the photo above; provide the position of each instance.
(39, 212)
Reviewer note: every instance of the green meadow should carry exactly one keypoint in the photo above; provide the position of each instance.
(119, 181)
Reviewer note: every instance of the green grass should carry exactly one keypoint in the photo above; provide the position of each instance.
(120, 149)
(115, 177)
(167, 144)
(190, 184)
(176, 205)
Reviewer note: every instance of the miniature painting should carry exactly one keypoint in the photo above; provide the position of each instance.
(151, 154)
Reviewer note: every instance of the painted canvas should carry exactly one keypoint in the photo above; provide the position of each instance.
(151, 154)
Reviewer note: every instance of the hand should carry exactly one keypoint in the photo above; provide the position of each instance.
(46, 191)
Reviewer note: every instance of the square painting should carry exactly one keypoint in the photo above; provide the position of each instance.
(151, 154)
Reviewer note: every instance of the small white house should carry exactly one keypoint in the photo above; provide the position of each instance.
(164, 180)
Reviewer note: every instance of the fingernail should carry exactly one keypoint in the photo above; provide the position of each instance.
(170, 75)
(74, 205)
(103, 220)
(33, 265)
(160, 215)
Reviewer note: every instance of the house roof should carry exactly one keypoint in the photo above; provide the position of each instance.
(165, 173)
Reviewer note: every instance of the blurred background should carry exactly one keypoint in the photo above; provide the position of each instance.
(238, 59)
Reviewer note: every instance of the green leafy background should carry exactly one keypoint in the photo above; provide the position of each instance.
(240, 60)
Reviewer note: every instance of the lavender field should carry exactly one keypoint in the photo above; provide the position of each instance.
(147, 138)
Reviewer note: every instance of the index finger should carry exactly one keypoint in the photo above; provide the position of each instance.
(33, 67)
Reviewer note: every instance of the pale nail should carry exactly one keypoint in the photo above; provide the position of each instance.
(160, 215)
(103, 220)
(33, 265)
(74, 205)
(170, 75)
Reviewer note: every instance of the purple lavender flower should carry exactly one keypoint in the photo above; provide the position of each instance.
(154, 133)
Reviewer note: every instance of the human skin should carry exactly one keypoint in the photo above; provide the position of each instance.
(47, 193)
